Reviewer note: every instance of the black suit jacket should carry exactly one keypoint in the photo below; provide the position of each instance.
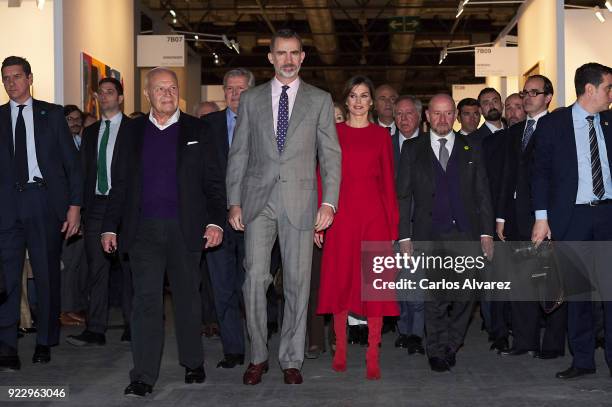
(554, 179)
(57, 158)
(216, 127)
(200, 184)
(495, 151)
(515, 202)
(416, 184)
(397, 150)
(89, 160)
(480, 134)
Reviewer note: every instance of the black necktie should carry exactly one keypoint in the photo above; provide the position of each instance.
(598, 186)
(389, 129)
(22, 173)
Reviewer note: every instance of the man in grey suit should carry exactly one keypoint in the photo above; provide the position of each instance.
(285, 127)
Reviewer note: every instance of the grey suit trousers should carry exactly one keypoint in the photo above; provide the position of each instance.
(296, 252)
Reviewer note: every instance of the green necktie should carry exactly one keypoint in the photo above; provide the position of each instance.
(102, 175)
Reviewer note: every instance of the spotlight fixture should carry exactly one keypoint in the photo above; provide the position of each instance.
(443, 55)
(173, 13)
(174, 21)
(599, 15)
(197, 37)
(460, 9)
(609, 5)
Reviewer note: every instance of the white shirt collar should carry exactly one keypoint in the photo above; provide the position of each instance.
(465, 133)
(115, 119)
(15, 105)
(392, 125)
(493, 128)
(537, 116)
(435, 137)
(173, 119)
(277, 86)
(413, 135)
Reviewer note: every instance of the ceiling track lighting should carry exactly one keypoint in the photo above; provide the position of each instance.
(597, 10)
(463, 3)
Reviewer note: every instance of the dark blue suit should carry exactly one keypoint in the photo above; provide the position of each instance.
(554, 186)
(32, 218)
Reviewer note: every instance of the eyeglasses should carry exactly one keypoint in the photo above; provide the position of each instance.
(531, 92)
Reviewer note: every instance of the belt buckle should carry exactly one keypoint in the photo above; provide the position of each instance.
(593, 203)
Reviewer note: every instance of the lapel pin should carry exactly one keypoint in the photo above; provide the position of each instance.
(43, 112)
(466, 148)
(605, 123)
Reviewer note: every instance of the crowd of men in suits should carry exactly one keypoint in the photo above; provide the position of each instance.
(161, 188)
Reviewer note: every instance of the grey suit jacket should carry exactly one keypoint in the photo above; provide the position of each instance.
(255, 165)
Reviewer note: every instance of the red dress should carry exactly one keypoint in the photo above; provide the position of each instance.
(367, 211)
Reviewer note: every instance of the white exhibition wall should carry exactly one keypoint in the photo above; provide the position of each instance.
(586, 40)
(104, 30)
(36, 43)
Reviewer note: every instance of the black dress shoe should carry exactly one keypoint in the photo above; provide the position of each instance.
(388, 325)
(353, 334)
(401, 341)
(126, 336)
(42, 354)
(438, 365)
(87, 338)
(196, 375)
(28, 330)
(517, 352)
(230, 360)
(138, 389)
(451, 359)
(9, 363)
(573, 372)
(548, 354)
(600, 343)
(415, 345)
(500, 345)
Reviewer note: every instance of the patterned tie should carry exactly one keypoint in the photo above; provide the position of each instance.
(21, 149)
(527, 133)
(282, 123)
(443, 153)
(102, 175)
(598, 186)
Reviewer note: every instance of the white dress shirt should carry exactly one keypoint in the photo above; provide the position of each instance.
(435, 144)
(403, 138)
(277, 89)
(28, 118)
(493, 128)
(392, 125)
(115, 122)
(173, 119)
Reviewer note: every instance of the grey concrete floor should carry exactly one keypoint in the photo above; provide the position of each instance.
(97, 377)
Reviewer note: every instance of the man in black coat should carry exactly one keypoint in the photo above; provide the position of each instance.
(169, 198)
(41, 190)
(443, 197)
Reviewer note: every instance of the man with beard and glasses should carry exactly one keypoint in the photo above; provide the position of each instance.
(283, 127)
(491, 108)
(513, 110)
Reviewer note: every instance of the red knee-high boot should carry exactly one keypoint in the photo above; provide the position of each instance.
(339, 362)
(374, 331)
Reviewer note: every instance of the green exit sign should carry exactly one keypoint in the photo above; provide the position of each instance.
(404, 24)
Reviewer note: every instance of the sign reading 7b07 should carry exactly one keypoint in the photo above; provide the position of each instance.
(405, 24)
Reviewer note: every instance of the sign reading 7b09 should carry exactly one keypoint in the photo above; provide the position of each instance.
(405, 24)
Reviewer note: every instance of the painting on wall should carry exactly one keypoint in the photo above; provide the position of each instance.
(92, 71)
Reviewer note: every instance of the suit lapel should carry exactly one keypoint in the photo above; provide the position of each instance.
(184, 131)
(6, 127)
(573, 153)
(40, 125)
(424, 157)
(396, 148)
(606, 128)
(263, 101)
(301, 106)
(122, 127)
(225, 146)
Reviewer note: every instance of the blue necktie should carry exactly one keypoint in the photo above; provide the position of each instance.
(527, 134)
(282, 122)
(598, 186)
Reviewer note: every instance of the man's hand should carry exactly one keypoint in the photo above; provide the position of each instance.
(486, 243)
(213, 236)
(407, 247)
(499, 228)
(325, 217)
(318, 239)
(73, 221)
(235, 217)
(109, 242)
(540, 231)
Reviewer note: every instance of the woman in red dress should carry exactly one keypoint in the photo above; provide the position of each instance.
(367, 211)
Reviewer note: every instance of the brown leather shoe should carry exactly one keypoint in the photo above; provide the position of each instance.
(65, 320)
(77, 316)
(253, 374)
(292, 376)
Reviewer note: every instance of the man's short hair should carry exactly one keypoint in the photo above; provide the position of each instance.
(158, 70)
(13, 60)
(487, 90)
(285, 33)
(113, 81)
(592, 73)
(240, 72)
(72, 108)
(415, 100)
(467, 102)
(548, 86)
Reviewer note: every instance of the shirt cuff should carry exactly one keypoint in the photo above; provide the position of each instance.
(500, 220)
(330, 205)
(403, 240)
(108, 233)
(541, 214)
(217, 226)
(487, 236)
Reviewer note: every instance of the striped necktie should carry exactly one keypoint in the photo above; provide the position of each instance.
(598, 186)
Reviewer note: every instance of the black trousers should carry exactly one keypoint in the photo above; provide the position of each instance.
(37, 229)
(100, 265)
(159, 248)
(526, 319)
